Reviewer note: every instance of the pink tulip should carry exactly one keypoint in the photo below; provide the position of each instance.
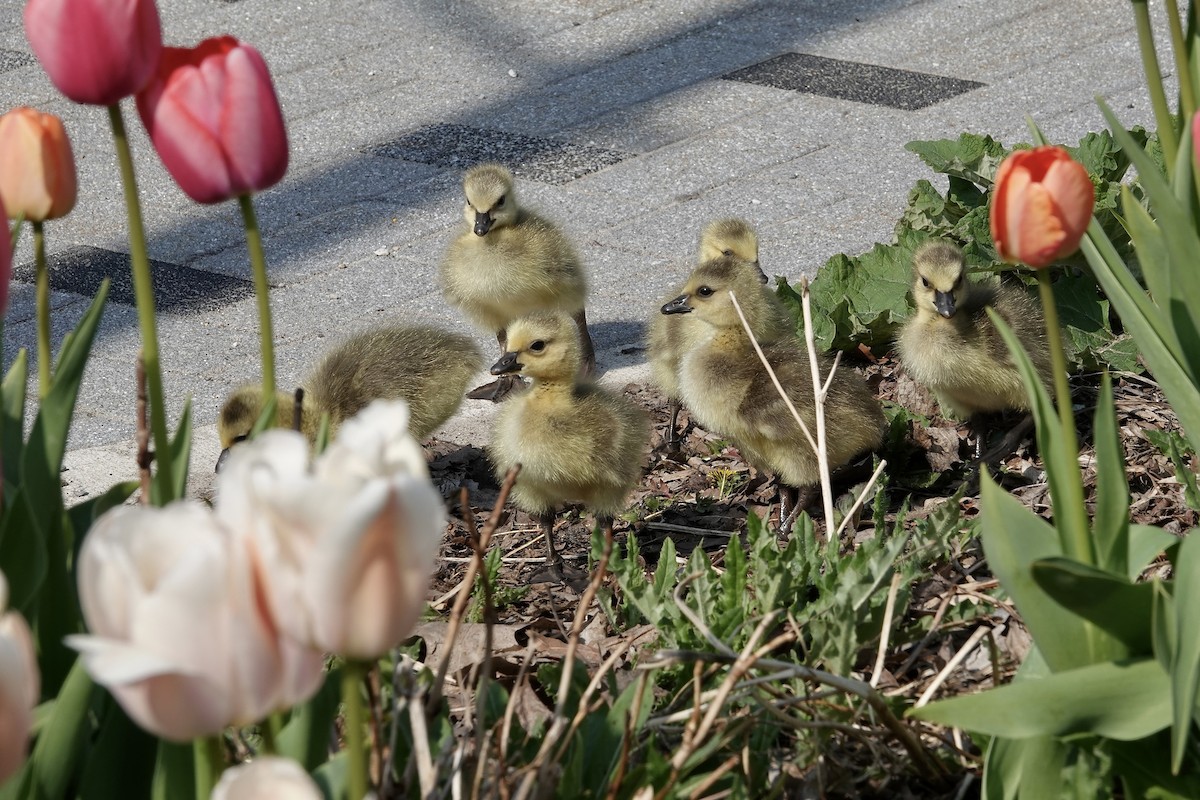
(95, 51)
(37, 167)
(179, 634)
(349, 544)
(1041, 206)
(276, 778)
(213, 117)
(18, 687)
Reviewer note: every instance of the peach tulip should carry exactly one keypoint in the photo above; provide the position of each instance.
(19, 688)
(273, 777)
(5, 261)
(1041, 206)
(37, 168)
(350, 541)
(95, 51)
(213, 117)
(178, 633)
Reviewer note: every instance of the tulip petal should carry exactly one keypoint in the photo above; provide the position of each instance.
(18, 692)
(276, 778)
(251, 127)
(1073, 195)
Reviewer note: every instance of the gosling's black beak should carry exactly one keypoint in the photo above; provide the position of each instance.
(221, 459)
(677, 306)
(944, 303)
(507, 363)
(762, 276)
(483, 222)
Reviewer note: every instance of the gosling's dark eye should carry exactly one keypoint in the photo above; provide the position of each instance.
(538, 346)
(705, 291)
(925, 281)
(728, 253)
(500, 202)
(243, 437)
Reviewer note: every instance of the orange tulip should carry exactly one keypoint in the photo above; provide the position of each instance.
(1041, 206)
(37, 168)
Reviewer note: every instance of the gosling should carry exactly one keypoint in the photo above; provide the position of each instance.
(951, 346)
(508, 263)
(574, 440)
(425, 366)
(668, 337)
(724, 384)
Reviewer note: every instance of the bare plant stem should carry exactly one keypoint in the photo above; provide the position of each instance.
(886, 628)
(820, 391)
(144, 456)
(468, 580)
(43, 309)
(209, 762)
(143, 291)
(356, 751)
(262, 288)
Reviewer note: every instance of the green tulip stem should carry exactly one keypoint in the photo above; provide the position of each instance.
(143, 292)
(1079, 535)
(43, 310)
(209, 760)
(1158, 97)
(1187, 93)
(269, 731)
(353, 673)
(258, 263)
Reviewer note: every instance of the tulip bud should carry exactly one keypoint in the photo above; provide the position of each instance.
(1041, 206)
(95, 51)
(213, 117)
(18, 687)
(178, 633)
(267, 777)
(37, 168)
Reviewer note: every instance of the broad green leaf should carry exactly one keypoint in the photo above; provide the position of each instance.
(333, 777)
(1024, 768)
(1155, 260)
(1145, 769)
(59, 751)
(1013, 538)
(972, 157)
(58, 614)
(1185, 661)
(1111, 521)
(1083, 314)
(1105, 599)
(1119, 700)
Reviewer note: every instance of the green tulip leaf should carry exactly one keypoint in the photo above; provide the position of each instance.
(305, 737)
(121, 762)
(61, 747)
(1119, 700)
(1111, 520)
(1030, 767)
(1108, 601)
(1062, 460)
(1146, 543)
(1145, 769)
(22, 552)
(174, 772)
(1013, 538)
(1185, 661)
(12, 416)
(180, 455)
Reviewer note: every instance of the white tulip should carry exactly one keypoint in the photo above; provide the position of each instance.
(349, 545)
(267, 777)
(177, 633)
(19, 686)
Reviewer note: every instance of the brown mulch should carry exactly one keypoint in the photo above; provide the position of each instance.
(701, 495)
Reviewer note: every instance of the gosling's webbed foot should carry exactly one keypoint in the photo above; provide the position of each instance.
(497, 390)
